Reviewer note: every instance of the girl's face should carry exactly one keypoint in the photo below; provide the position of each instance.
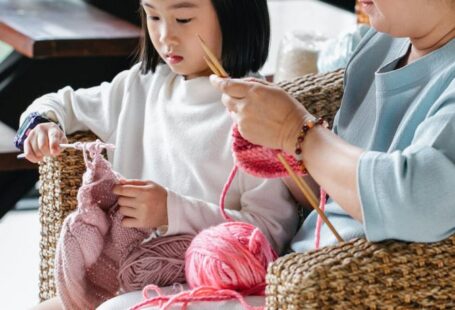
(173, 26)
(408, 18)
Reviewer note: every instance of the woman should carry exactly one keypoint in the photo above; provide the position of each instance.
(389, 163)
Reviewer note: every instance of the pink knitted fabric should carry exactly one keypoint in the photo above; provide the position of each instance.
(262, 162)
(93, 243)
(258, 160)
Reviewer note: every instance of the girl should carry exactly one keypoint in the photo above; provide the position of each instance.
(389, 164)
(171, 132)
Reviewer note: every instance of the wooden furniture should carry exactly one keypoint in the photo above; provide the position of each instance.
(64, 28)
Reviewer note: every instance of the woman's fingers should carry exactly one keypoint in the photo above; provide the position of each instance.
(234, 88)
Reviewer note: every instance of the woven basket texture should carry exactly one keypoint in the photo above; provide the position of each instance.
(60, 178)
(320, 93)
(364, 275)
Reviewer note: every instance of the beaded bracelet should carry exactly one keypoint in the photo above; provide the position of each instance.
(301, 136)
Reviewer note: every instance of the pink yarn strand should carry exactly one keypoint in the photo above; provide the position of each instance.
(200, 294)
(317, 235)
(224, 193)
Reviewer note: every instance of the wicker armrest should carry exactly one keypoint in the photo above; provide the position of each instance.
(320, 93)
(60, 178)
(365, 275)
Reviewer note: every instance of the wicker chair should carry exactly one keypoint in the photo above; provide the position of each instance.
(352, 275)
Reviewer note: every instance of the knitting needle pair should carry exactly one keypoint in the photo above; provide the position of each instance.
(218, 70)
(62, 145)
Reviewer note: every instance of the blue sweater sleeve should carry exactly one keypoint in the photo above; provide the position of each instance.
(410, 194)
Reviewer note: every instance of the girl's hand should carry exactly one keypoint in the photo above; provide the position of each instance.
(143, 203)
(265, 114)
(44, 140)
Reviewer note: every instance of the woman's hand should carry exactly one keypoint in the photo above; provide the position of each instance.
(265, 114)
(43, 140)
(143, 203)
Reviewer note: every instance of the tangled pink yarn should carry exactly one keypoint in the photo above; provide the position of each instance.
(159, 261)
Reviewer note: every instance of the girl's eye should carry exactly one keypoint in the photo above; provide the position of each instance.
(154, 18)
(184, 20)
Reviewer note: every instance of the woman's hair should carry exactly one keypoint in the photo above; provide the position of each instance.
(245, 29)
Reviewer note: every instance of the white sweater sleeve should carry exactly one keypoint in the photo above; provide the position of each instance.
(96, 109)
(266, 204)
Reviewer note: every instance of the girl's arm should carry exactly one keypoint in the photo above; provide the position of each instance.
(96, 109)
(266, 204)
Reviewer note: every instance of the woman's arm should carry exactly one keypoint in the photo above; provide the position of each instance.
(332, 163)
(267, 115)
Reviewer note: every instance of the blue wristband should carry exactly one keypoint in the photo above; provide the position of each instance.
(29, 123)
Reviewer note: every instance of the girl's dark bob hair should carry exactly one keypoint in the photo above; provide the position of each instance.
(245, 27)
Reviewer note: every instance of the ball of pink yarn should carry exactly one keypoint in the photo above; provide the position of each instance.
(232, 255)
(159, 261)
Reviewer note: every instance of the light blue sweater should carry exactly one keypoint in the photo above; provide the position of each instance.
(405, 118)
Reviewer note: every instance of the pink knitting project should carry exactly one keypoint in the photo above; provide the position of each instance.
(258, 160)
(262, 162)
(93, 244)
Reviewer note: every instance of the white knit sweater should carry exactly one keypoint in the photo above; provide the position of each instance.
(175, 132)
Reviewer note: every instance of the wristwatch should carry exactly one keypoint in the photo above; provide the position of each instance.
(30, 122)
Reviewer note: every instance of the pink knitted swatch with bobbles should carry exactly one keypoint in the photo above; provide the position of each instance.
(260, 161)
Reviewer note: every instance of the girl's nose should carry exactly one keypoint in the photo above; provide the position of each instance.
(167, 35)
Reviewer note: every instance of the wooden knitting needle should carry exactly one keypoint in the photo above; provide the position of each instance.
(62, 145)
(305, 189)
(218, 70)
(212, 61)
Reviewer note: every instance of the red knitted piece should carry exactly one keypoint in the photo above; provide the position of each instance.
(260, 161)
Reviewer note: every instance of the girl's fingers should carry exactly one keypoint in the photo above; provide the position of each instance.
(126, 202)
(127, 190)
(127, 211)
(42, 144)
(29, 152)
(55, 136)
(130, 222)
(134, 182)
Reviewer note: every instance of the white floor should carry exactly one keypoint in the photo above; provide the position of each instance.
(19, 249)
(19, 259)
